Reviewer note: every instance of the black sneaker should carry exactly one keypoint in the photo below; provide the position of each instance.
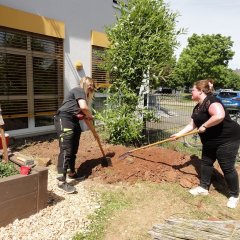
(67, 188)
(76, 176)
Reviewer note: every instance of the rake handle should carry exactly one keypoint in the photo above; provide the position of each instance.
(165, 140)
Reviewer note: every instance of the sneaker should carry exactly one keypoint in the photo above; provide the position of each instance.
(76, 176)
(67, 188)
(232, 202)
(61, 179)
(198, 191)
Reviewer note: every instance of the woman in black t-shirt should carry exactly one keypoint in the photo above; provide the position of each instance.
(220, 138)
(75, 105)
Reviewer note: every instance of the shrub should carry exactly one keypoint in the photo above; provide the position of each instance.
(122, 127)
(7, 169)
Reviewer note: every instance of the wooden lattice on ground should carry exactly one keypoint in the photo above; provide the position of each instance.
(196, 230)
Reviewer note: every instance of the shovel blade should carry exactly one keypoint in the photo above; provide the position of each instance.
(106, 162)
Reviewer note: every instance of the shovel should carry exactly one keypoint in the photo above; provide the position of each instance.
(123, 156)
(106, 160)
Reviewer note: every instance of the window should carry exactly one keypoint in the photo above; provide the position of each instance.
(100, 76)
(31, 78)
(228, 94)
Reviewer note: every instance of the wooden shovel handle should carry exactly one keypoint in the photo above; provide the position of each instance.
(4, 144)
(165, 140)
(92, 128)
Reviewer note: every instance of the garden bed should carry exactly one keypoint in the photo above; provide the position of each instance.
(23, 195)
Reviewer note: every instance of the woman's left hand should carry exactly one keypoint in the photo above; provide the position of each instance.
(89, 117)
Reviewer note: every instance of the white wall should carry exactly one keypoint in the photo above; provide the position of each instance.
(80, 17)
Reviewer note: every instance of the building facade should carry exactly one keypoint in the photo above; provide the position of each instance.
(45, 48)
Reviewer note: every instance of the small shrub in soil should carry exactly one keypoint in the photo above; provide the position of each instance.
(7, 169)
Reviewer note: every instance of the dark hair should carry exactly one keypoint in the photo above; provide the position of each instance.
(205, 85)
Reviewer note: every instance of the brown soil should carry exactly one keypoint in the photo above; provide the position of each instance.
(154, 164)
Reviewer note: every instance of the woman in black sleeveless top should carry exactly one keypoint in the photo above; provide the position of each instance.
(220, 137)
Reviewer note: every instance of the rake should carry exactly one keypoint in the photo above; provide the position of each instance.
(123, 156)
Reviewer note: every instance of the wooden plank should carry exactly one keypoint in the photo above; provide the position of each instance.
(4, 144)
(18, 208)
(51, 113)
(21, 196)
(18, 185)
(196, 229)
(42, 187)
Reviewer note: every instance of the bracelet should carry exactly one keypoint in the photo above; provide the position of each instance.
(204, 126)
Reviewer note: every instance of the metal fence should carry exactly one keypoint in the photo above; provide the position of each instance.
(173, 112)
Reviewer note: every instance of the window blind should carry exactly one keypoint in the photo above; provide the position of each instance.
(31, 77)
(100, 76)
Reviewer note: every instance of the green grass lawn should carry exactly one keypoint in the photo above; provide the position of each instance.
(129, 211)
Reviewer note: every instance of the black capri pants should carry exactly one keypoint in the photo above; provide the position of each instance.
(69, 132)
(226, 155)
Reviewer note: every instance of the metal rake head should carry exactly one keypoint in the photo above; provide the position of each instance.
(123, 156)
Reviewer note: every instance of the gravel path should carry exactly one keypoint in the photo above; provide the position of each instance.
(65, 215)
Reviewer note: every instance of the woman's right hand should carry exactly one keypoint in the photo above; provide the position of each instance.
(202, 129)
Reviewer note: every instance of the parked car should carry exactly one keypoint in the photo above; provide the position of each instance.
(215, 93)
(230, 99)
(163, 90)
(221, 90)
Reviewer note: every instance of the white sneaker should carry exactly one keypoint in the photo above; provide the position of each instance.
(198, 191)
(232, 202)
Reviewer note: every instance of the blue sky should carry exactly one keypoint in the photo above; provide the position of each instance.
(210, 17)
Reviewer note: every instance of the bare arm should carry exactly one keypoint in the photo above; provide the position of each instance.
(217, 113)
(186, 129)
(84, 108)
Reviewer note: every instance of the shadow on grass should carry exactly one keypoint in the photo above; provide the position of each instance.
(217, 178)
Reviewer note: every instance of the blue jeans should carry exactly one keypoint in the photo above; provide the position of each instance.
(226, 155)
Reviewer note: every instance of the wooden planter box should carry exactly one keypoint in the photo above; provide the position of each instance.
(21, 196)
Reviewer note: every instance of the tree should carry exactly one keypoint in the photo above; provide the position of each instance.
(142, 42)
(232, 80)
(206, 56)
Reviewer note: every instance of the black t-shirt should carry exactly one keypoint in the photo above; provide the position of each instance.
(70, 103)
(226, 131)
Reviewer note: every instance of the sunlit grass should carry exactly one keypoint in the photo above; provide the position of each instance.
(121, 204)
(111, 201)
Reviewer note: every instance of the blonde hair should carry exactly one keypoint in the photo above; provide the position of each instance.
(89, 94)
(205, 85)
